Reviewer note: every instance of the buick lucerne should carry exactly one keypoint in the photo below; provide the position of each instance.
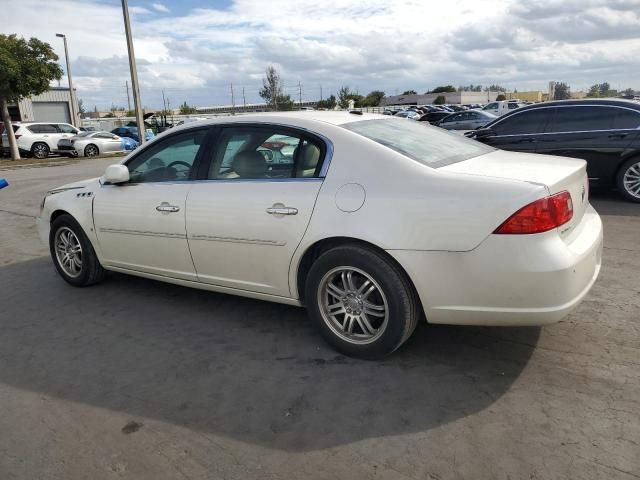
(371, 222)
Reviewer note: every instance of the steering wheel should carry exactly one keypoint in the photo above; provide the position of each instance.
(179, 162)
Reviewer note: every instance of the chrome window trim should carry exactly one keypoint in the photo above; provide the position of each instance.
(328, 157)
(518, 112)
(218, 180)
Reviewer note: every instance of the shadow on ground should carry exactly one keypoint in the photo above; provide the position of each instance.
(250, 370)
(610, 202)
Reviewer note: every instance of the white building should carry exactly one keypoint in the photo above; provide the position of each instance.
(53, 105)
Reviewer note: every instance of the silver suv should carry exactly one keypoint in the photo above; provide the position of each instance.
(39, 139)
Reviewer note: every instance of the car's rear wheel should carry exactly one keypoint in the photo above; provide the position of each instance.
(72, 253)
(91, 150)
(628, 180)
(361, 301)
(40, 150)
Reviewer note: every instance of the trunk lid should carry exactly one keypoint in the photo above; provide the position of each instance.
(557, 174)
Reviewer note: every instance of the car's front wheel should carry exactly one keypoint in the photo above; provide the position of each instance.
(361, 301)
(40, 150)
(628, 180)
(72, 253)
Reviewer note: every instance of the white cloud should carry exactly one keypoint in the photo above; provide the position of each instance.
(160, 7)
(366, 44)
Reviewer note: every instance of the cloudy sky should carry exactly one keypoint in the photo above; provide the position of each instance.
(194, 49)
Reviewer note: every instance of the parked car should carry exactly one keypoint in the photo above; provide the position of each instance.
(372, 223)
(132, 132)
(433, 117)
(500, 108)
(91, 144)
(468, 120)
(39, 139)
(605, 133)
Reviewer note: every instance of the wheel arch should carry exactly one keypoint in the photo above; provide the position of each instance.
(313, 251)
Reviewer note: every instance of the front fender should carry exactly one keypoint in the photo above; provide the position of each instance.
(75, 200)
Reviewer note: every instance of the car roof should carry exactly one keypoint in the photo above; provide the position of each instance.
(326, 117)
(620, 102)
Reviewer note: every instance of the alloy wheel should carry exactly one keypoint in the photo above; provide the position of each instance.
(40, 151)
(68, 251)
(91, 151)
(631, 180)
(353, 305)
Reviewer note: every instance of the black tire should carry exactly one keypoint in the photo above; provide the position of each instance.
(91, 272)
(403, 307)
(91, 150)
(630, 167)
(40, 150)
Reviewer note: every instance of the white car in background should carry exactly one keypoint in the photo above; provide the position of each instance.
(39, 139)
(501, 107)
(372, 222)
(91, 144)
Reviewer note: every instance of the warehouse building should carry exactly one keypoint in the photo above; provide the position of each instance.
(53, 105)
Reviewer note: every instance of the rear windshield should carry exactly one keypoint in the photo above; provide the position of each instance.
(428, 145)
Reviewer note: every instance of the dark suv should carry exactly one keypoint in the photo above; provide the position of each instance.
(605, 133)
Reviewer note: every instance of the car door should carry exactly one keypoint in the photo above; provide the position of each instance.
(521, 131)
(592, 133)
(246, 220)
(452, 121)
(108, 142)
(476, 120)
(141, 224)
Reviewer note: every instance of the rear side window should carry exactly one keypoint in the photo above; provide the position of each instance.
(582, 119)
(430, 146)
(626, 119)
(527, 122)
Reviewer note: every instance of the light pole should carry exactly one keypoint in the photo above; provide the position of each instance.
(134, 73)
(71, 94)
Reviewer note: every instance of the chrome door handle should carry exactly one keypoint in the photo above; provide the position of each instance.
(167, 208)
(282, 211)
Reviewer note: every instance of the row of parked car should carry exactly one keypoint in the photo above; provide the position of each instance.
(40, 139)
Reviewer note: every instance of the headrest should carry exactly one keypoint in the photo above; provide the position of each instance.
(250, 164)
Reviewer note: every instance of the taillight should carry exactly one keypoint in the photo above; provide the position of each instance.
(539, 216)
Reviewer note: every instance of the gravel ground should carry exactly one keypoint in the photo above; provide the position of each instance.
(142, 380)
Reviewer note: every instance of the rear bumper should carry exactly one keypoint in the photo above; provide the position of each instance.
(509, 279)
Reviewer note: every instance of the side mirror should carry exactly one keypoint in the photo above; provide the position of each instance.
(116, 174)
(484, 132)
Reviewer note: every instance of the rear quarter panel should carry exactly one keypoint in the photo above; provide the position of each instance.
(407, 205)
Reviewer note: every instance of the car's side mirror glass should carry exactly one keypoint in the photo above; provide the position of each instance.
(116, 174)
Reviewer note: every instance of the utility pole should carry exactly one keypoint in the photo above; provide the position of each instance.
(320, 92)
(164, 102)
(244, 100)
(74, 118)
(134, 73)
(233, 101)
(126, 83)
(299, 94)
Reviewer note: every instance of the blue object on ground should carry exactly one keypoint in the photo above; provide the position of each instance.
(3, 183)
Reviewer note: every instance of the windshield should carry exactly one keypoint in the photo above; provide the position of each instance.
(430, 146)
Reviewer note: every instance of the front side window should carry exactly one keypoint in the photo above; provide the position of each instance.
(491, 106)
(169, 160)
(527, 122)
(582, 119)
(264, 153)
(428, 145)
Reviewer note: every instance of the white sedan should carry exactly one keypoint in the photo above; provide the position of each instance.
(370, 221)
(91, 144)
